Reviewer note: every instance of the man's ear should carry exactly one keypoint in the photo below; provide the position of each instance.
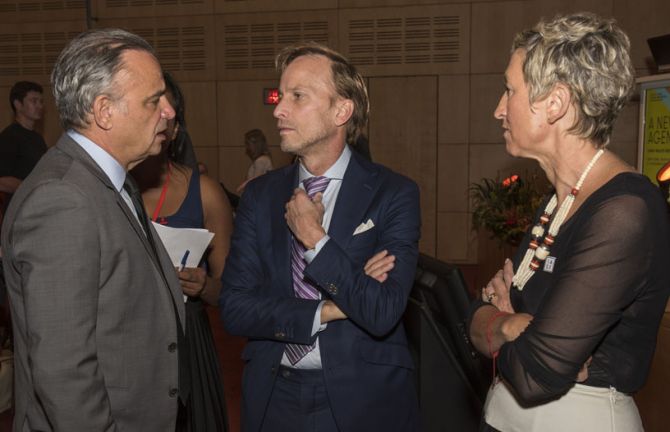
(103, 112)
(17, 105)
(558, 103)
(345, 109)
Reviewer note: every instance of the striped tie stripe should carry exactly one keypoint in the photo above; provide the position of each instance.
(301, 287)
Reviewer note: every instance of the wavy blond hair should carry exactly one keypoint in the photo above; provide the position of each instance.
(588, 54)
(349, 84)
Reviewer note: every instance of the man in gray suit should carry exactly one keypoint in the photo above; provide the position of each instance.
(96, 303)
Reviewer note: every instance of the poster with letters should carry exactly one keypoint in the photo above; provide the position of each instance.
(656, 139)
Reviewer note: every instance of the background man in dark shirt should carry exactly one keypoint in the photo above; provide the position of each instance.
(20, 146)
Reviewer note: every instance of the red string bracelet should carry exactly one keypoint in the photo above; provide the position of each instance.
(489, 337)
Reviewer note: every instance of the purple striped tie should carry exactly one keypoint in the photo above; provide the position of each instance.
(301, 287)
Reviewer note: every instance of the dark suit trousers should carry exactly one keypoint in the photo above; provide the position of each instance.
(299, 403)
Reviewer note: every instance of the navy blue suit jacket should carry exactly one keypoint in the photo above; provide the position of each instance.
(366, 362)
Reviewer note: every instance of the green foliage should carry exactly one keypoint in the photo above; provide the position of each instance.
(506, 207)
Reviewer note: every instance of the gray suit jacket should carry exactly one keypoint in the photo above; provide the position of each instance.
(94, 317)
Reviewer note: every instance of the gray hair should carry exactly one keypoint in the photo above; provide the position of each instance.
(588, 54)
(86, 68)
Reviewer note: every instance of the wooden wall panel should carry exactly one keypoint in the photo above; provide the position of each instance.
(29, 50)
(201, 118)
(210, 157)
(6, 115)
(453, 109)
(492, 160)
(403, 136)
(485, 92)
(624, 134)
(654, 398)
(13, 11)
(498, 22)
(496, 25)
(50, 127)
(248, 43)
(185, 45)
(455, 239)
(380, 3)
(237, 6)
(642, 20)
(150, 8)
(452, 178)
(426, 40)
(233, 166)
(245, 112)
(550, 8)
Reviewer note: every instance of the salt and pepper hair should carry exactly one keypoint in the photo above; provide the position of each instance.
(588, 54)
(86, 68)
(349, 84)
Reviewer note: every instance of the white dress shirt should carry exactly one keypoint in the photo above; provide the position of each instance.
(335, 173)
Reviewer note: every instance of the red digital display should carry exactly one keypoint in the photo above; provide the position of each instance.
(270, 96)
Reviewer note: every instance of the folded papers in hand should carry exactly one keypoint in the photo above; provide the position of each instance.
(179, 240)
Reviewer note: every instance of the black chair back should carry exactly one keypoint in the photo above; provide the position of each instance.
(452, 377)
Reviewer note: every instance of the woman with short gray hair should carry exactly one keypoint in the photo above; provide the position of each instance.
(572, 320)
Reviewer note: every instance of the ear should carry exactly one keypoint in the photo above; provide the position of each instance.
(558, 103)
(344, 111)
(103, 112)
(17, 105)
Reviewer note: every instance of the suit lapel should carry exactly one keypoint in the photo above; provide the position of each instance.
(359, 185)
(69, 146)
(281, 235)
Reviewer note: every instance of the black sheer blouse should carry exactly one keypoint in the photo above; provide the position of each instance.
(604, 296)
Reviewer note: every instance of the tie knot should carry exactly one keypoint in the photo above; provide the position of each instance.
(314, 185)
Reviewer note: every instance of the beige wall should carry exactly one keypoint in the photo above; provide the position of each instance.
(434, 70)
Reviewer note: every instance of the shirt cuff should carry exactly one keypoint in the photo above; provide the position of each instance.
(310, 254)
(316, 325)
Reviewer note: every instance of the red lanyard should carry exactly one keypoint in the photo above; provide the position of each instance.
(161, 200)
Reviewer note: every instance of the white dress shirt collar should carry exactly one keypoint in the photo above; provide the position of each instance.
(336, 171)
(106, 162)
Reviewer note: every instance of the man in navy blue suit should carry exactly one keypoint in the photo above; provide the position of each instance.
(321, 264)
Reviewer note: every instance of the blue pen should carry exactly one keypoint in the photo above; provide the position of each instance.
(183, 260)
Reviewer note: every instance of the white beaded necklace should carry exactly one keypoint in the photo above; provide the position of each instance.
(536, 252)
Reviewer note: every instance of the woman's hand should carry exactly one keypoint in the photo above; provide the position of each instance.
(192, 280)
(490, 329)
(497, 290)
(380, 265)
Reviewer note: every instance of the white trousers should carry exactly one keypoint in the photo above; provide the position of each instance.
(583, 408)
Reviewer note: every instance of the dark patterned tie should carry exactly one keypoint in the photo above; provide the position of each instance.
(182, 345)
(301, 287)
(133, 191)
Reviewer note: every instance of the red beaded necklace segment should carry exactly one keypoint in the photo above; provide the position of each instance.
(161, 200)
(540, 245)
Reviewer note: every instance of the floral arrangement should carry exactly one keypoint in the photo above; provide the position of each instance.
(506, 207)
